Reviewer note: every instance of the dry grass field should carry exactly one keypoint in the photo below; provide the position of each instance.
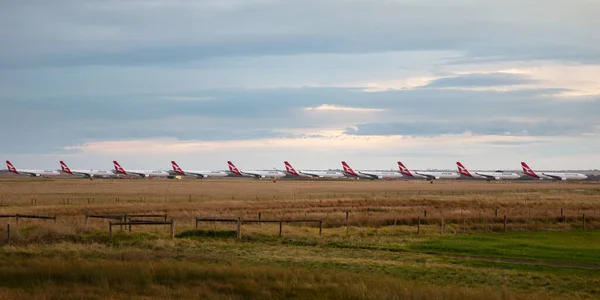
(379, 255)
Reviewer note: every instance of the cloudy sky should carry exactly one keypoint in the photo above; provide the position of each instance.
(489, 83)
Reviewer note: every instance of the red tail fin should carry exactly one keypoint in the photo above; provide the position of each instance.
(290, 169)
(347, 169)
(404, 169)
(176, 168)
(527, 170)
(118, 167)
(233, 169)
(65, 168)
(10, 167)
(463, 170)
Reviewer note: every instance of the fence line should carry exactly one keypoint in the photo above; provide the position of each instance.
(239, 222)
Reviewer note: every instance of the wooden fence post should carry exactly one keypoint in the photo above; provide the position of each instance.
(496, 212)
(321, 227)
(172, 228)
(8, 233)
(123, 220)
(504, 223)
(418, 225)
(110, 228)
(424, 213)
(347, 222)
(280, 228)
(239, 228)
(17, 219)
(54, 219)
(196, 222)
(583, 218)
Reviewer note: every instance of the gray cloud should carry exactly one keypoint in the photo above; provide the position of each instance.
(45, 125)
(67, 33)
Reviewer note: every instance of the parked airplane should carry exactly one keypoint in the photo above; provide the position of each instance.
(254, 173)
(314, 174)
(370, 174)
(497, 175)
(201, 174)
(86, 173)
(140, 173)
(552, 175)
(33, 173)
(427, 175)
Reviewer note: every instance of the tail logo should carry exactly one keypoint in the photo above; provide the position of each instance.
(233, 169)
(403, 169)
(527, 170)
(347, 169)
(176, 168)
(118, 168)
(289, 168)
(462, 169)
(10, 167)
(64, 167)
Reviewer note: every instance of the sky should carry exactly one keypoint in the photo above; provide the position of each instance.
(428, 83)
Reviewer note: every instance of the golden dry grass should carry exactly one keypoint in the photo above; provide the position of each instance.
(376, 203)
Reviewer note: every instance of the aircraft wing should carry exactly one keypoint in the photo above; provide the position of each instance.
(555, 177)
(201, 175)
(429, 176)
(310, 174)
(487, 176)
(369, 175)
(256, 175)
(34, 174)
(136, 173)
(81, 173)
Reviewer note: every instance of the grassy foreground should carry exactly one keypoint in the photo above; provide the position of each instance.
(217, 266)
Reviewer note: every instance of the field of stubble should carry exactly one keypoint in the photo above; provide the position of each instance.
(544, 252)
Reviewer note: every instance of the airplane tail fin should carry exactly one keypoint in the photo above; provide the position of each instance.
(347, 169)
(462, 170)
(118, 167)
(233, 168)
(290, 169)
(10, 167)
(65, 168)
(176, 168)
(403, 169)
(527, 170)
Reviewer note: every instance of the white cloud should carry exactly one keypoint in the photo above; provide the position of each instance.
(331, 107)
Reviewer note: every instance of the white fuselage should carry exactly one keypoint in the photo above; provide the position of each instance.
(321, 174)
(92, 173)
(375, 174)
(261, 174)
(202, 173)
(145, 173)
(37, 173)
(498, 175)
(563, 176)
(435, 175)
(379, 174)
